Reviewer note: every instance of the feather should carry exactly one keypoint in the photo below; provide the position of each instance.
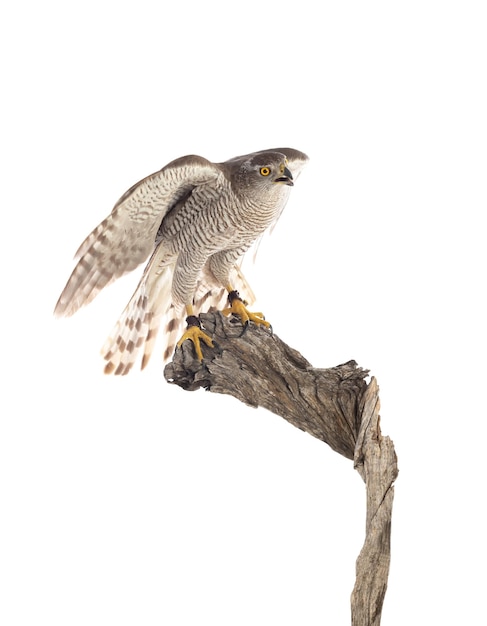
(193, 220)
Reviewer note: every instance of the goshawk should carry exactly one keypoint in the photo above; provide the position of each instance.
(194, 220)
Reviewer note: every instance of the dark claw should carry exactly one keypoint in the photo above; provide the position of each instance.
(244, 329)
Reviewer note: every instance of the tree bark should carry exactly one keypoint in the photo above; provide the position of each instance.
(375, 460)
(336, 405)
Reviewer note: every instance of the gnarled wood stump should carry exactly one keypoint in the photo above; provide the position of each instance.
(335, 405)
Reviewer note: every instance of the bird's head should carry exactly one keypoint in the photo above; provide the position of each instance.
(265, 171)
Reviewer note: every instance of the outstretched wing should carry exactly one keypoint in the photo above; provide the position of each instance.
(125, 239)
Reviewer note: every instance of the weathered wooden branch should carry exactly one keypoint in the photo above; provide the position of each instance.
(375, 460)
(335, 405)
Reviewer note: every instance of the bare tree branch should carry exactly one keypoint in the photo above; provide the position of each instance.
(375, 460)
(336, 405)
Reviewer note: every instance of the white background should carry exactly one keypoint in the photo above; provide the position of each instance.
(129, 501)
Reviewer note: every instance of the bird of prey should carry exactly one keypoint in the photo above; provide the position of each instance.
(193, 220)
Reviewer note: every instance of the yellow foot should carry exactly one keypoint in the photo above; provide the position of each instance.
(195, 334)
(238, 307)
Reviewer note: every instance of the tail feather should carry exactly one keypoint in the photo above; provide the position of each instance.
(163, 308)
(139, 323)
(151, 307)
(172, 330)
(121, 348)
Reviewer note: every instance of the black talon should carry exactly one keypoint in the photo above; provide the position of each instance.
(244, 329)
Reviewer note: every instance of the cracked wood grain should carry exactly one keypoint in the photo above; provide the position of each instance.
(335, 405)
(375, 460)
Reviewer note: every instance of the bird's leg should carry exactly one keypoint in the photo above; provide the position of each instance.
(237, 306)
(194, 333)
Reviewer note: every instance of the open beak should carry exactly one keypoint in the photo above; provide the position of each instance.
(286, 178)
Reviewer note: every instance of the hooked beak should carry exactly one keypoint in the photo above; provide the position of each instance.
(286, 178)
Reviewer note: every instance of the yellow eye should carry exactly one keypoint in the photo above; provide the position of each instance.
(265, 171)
